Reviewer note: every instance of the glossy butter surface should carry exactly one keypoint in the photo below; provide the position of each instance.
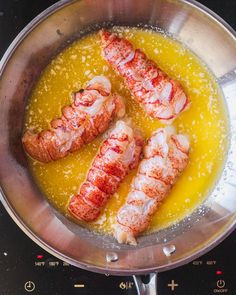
(205, 123)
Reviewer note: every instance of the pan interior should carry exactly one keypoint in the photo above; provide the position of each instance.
(205, 124)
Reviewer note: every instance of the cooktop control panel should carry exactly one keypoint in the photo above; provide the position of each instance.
(26, 268)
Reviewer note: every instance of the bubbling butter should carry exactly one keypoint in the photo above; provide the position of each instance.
(205, 123)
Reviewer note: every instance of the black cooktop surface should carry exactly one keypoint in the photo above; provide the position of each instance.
(26, 268)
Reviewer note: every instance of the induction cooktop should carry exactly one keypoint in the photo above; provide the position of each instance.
(27, 269)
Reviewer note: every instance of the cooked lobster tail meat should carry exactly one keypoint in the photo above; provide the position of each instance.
(89, 115)
(118, 154)
(165, 157)
(162, 97)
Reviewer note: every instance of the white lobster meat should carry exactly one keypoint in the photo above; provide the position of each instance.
(119, 153)
(165, 157)
(162, 97)
(88, 116)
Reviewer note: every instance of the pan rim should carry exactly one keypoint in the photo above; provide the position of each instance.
(102, 270)
(13, 214)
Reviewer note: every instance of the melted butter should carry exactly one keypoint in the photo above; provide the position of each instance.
(205, 123)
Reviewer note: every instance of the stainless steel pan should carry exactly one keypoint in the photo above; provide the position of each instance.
(205, 34)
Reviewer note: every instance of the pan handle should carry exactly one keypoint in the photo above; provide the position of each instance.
(146, 285)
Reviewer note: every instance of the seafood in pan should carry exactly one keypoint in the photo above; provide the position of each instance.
(118, 155)
(205, 123)
(165, 158)
(162, 97)
(88, 116)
